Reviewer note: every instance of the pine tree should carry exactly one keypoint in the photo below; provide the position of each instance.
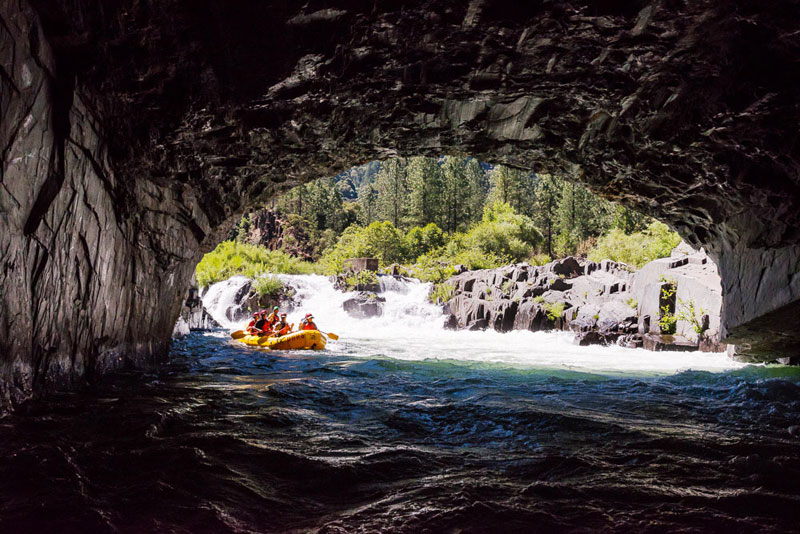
(478, 189)
(547, 195)
(456, 191)
(392, 191)
(513, 187)
(425, 188)
(368, 200)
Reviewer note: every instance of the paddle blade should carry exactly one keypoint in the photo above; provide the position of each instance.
(332, 336)
(239, 334)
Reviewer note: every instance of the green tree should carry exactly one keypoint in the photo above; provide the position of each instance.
(547, 193)
(368, 200)
(421, 240)
(504, 232)
(425, 191)
(392, 190)
(455, 193)
(381, 240)
(477, 190)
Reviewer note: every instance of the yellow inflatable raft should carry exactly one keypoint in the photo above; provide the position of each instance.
(305, 339)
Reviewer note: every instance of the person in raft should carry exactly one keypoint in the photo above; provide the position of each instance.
(282, 328)
(252, 324)
(308, 323)
(274, 317)
(262, 326)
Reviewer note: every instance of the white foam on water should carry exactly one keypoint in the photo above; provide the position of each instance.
(220, 301)
(411, 329)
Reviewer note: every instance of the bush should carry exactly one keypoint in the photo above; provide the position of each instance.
(430, 268)
(267, 286)
(636, 249)
(554, 310)
(231, 258)
(379, 240)
(504, 232)
(441, 293)
(360, 279)
(540, 259)
(420, 241)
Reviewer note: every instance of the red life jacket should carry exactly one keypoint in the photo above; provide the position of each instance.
(309, 325)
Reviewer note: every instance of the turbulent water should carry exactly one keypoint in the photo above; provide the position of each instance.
(403, 427)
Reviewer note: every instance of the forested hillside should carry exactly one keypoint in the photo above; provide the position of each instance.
(430, 217)
(450, 192)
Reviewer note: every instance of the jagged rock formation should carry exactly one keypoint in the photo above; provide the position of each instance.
(603, 303)
(364, 305)
(267, 229)
(135, 133)
(194, 315)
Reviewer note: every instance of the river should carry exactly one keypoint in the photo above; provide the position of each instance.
(401, 426)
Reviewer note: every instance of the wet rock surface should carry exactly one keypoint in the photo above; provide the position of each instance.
(194, 316)
(364, 305)
(601, 303)
(135, 134)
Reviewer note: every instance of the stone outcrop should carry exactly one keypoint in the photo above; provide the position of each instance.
(193, 316)
(267, 229)
(136, 133)
(364, 305)
(602, 303)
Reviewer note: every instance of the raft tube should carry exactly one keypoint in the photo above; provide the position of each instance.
(304, 339)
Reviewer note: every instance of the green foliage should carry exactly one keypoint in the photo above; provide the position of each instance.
(504, 232)
(668, 319)
(381, 240)
(694, 316)
(353, 281)
(441, 293)
(538, 300)
(420, 241)
(425, 187)
(632, 302)
(554, 310)
(430, 268)
(540, 259)
(636, 249)
(267, 286)
(512, 187)
(507, 286)
(392, 191)
(242, 228)
(231, 258)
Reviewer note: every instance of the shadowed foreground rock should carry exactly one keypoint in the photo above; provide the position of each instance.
(134, 133)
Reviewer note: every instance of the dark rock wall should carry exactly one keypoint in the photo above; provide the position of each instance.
(92, 258)
(135, 132)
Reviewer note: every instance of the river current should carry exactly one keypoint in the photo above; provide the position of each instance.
(401, 426)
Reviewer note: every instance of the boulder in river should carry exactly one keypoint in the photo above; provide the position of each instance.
(364, 305)
(601, 302)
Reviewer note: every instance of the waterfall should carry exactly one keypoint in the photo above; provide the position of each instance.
(223, 300)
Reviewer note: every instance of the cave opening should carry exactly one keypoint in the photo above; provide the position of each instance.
(135, 134)
(433, 219)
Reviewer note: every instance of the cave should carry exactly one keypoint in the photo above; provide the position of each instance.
(136, 133)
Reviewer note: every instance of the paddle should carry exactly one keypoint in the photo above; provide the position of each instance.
(331, 335)
(239, 334)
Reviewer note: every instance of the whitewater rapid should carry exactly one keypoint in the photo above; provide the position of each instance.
(411, 329)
